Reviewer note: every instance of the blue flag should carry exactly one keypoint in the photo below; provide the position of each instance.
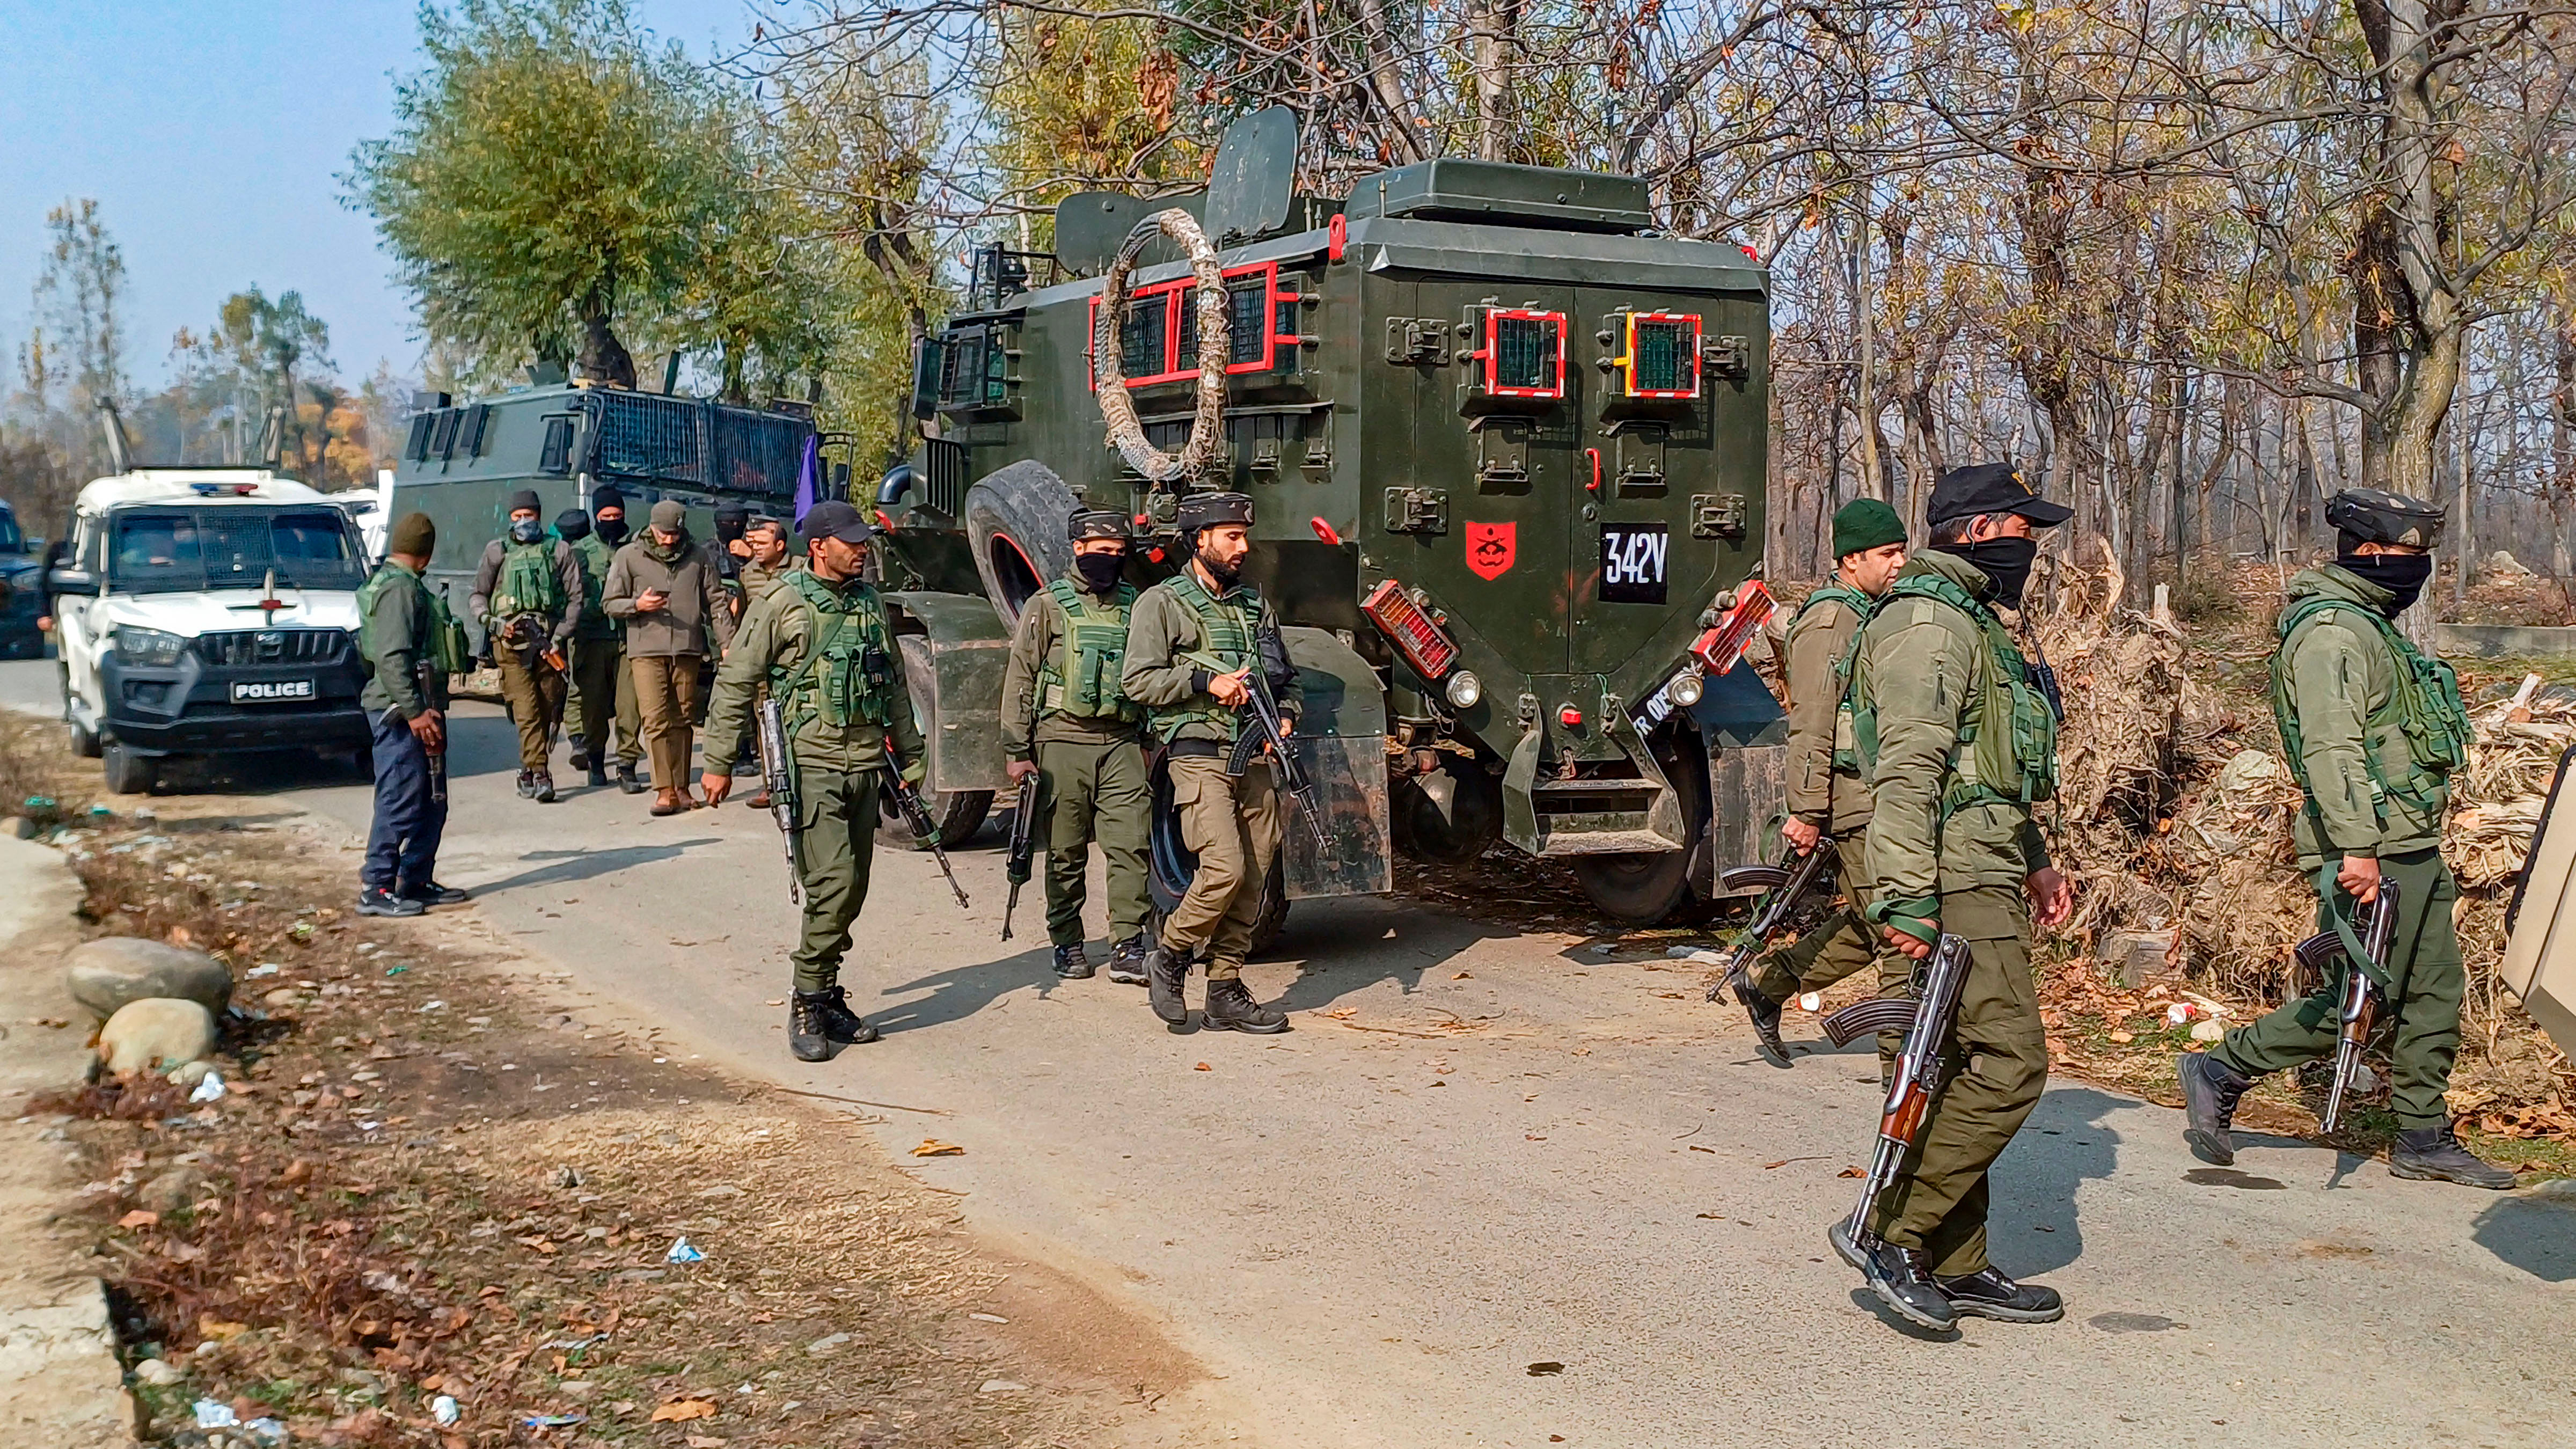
(809, 479)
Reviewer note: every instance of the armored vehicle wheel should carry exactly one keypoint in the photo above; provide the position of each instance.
(1449, 816)
(1643, 888)
(958, 813)
(1169, 866)
(1015, 521)
(129, 773)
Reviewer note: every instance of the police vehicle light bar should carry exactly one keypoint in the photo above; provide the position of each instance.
(1423, 643)
(1720, 647)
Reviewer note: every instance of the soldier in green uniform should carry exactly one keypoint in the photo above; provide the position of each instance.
(410, 646)
(822, 645)
(1066, 720)
(602, 684)
(2373, 731)
(1957, 739)
(764, 567)
(1193, 641)
(528, 593)
(592, 696)
(1826, 793)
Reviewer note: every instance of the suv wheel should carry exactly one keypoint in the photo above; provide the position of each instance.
(129, 773)
(84, 741)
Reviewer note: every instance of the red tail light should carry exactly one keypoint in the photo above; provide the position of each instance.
(1720, 647)
(1423, 643)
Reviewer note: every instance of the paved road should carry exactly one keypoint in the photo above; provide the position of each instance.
(1512, 1151)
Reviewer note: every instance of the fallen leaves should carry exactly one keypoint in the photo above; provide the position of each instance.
(1203, 1067)
(1851, 1172)
(681, 1411)
(933, 1147)
(139, 1218)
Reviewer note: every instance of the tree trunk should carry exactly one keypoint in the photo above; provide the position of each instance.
(1491, 26)
(603, 358)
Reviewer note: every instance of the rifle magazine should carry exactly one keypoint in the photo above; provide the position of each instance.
(1866, 1018)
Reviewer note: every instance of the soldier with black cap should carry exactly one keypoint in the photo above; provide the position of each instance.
(528, 592)
(601, 682)
(1066, 719)
(1193, 641)
(2373, 730)
(822, 645)
(1957, 737)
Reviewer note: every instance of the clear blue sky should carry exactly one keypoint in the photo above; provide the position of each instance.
(211, 134)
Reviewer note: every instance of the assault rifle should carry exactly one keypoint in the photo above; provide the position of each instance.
(2359, 1013)
(924, 829)
(422, 672)
(1024, 845)
(1263, 725)
(1927, 1020)
(777, 777)
(1783, 886)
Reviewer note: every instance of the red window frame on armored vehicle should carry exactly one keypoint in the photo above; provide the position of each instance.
(1177, 297)
(1686, 355)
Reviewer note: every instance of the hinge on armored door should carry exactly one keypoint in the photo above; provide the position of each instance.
(1717, 515)
(1417, 510)
(1730, 357)
(1502, 455)
(1417, 341)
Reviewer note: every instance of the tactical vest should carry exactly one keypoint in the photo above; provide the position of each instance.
(848, 675)
(1846, 748)
(2007, 747)
(528, 582)
(1081, 677)
(2425, 705)
(446, 648)
(594, 583)
(1225, 639)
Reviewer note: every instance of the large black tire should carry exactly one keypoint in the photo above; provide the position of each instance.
(1170, 866)
(129, 773)
(1015, 521)
(1644, 888)
(1456, 838)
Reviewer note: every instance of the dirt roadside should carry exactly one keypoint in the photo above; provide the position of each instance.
(430, 1177)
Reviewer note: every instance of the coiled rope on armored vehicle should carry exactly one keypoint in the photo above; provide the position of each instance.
(1117, 407)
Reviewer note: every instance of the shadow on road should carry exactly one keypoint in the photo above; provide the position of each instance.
(2067, 1142)
(563, 866)
(958, 994)
(2537, 1235)
(1350, 945)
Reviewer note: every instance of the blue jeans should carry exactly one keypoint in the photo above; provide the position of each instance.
(402, 845)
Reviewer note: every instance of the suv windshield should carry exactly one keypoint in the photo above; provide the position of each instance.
(167, 550)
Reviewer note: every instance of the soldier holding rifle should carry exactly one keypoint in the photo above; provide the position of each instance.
(1067, 720)
(1193, 644)
(1957, 737)
(2373, 731)
(410, 646)
(821, 643)
(528, 591)
(1827, 796)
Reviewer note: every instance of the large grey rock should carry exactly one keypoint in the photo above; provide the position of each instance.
(156, 1033)
(105, 974)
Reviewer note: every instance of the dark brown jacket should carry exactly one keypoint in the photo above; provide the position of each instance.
(696, 618)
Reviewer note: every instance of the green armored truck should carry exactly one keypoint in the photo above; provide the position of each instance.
(1505, 442)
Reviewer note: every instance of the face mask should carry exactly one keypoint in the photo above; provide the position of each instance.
(610, 530)
(527, 530)
(728, 529)
(2402, 574)
(2005, 561)
(1099, 572)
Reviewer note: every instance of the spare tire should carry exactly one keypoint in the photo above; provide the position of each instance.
(1015, 522)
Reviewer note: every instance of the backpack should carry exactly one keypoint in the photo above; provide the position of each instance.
(2007, 748)
(2426, 704)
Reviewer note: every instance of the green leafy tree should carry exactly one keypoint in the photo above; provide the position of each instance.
(550, 173)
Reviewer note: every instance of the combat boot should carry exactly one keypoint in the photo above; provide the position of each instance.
(842, 1024)
(580, 757)
(527, 784)
(2434, 1154)
(1230, 1007)
(598, 773)
(627, 784)
(2210, 1090)
(1987, 1293)
(1071, 963)
(1766, 1019)
(1166, 972)
(1897, 1276)
(545, 791)
(1127, 960)
(809, 1033)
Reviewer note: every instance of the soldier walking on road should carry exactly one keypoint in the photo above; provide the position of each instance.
(1193, 641)
(528, 593)
(821, 644)
(1957, 739)
(599, 651)
(411, 646)
(2374, 731)
(1826, 793)
(1066, 719)
(677, 614)
(592, 700)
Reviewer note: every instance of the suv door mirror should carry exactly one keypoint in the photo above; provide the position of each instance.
(72, 581)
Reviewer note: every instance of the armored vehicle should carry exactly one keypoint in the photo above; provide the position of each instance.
(1506, 443)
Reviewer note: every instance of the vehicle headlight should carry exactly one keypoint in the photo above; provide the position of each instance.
(148, 646)
(1465, 688)
(1687, 687)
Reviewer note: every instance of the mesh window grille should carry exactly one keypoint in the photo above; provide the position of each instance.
(1665, 358)
(1525, 353)
(642, 435)
(1140, 338)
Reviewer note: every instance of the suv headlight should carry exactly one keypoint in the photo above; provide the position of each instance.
(148, 646)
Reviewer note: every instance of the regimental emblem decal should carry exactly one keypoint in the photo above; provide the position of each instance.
(1491, 547)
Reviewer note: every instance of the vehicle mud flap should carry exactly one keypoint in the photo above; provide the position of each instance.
(1748, 786)
(1664, 815)
(1520, 807)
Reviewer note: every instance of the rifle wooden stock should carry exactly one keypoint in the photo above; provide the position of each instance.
(1917, 1077)
(2358, 1013)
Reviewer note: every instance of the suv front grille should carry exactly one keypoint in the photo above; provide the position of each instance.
(242, 647)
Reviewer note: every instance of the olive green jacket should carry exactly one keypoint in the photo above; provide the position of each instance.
(1818, 793)
(1033, 643)
(1923, 677)
(2341, 672)
(397, 628)
(696, 617)
(1160, 629)
(594, 555)
(772, 639)
(759, 580)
